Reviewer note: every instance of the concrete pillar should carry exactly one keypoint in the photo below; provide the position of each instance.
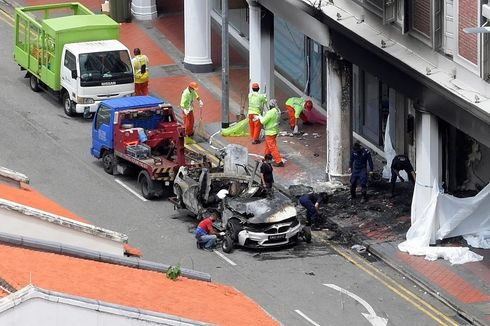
(197, 34)
(144, 9)
(428, 165)
(339, 118)
(261, 51)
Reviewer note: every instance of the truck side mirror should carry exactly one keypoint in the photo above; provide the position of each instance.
(74, 74)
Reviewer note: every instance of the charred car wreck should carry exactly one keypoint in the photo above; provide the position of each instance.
(249, 217)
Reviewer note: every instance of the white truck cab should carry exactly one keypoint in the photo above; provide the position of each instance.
(92, 72)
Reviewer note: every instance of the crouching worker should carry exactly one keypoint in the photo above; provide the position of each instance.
(312, 203)
(206, 234)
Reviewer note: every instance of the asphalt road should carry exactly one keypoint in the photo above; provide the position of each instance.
(37, 139)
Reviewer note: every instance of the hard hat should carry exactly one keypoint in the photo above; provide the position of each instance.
(308, 105)
(193, 85)
(255, 85)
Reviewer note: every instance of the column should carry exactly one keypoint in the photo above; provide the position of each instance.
(197, 34)
(339, 118)
(144, 9)
(261, 51)
(428, 164)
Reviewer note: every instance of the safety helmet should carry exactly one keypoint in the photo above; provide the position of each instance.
(193, 85)
(308, 105)
(255, 86)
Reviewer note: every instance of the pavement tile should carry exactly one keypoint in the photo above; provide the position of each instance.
(133, 36)
(172, 27)
(170, 88)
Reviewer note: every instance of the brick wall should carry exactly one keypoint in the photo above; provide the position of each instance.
(468, 17)
(421, 16)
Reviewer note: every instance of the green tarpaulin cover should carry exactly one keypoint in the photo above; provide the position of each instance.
(236, 130)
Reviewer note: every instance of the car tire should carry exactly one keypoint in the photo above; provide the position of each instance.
(227, 244)
(234, 228)
(108, 161)
(145, 184)
(34, 83)
(68, 104)
(306, 234)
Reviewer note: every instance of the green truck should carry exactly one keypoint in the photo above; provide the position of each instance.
(74, 54)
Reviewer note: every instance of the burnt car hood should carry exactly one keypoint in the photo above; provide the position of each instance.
(263, 210)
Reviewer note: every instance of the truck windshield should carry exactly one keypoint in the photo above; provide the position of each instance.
(105, 68)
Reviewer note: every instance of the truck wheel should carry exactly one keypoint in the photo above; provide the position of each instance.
(108, 161)
(68, 105)
(227, 244)
(146, 184)
(34, 83)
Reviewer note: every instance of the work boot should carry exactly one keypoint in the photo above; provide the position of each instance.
(256, 142)
(364, 197)
(278, 165)
(352, 192)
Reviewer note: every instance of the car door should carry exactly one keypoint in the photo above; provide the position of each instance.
(69, 64)
(102, 131)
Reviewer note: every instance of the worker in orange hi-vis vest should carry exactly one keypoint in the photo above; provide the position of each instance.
(187, 105)
(256, 101)
(295, 107)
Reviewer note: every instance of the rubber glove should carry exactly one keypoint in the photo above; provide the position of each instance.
(186, 111)
(201, 103)
(222, 233)
(255, 118)
(295, 131)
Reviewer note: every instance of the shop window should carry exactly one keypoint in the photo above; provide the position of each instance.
(289, 52)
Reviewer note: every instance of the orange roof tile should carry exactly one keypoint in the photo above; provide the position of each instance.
(29, 197)
(197, 300)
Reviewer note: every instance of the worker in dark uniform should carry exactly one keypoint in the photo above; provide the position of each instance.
(312, 203)
(399, 163)
(359, 160)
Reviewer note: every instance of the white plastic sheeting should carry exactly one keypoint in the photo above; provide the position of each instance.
(390, 155)
(446, 216)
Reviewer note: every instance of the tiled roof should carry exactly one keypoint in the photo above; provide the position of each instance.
(197, 300)
(27, 196)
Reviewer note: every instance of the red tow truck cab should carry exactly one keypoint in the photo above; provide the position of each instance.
(141, 134)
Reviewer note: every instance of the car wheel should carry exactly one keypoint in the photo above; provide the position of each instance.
(68, 105)
(234, 228)
(34, 83)
(227, 244)
(108, 161)
(146, 184)
(306, 233)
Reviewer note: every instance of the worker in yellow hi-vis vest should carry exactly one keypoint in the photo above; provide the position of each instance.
(256, 101)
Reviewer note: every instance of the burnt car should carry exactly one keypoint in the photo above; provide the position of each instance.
(250, 216)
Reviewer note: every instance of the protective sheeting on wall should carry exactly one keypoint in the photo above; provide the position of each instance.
(446, 216)
(390, 155)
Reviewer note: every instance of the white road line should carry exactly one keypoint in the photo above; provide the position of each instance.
(228, 260)
(306, 317)
(130, 190)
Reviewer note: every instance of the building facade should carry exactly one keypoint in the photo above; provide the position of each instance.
(373, 65)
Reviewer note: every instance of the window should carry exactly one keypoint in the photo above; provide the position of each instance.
(103, 117)
(70, 61)
(386, 9)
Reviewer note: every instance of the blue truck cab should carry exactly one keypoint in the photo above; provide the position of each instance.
(105, 120)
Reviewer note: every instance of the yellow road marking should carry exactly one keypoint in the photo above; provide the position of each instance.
(200, 149)
(401, 291)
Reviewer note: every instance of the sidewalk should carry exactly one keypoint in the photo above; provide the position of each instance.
(379, 224)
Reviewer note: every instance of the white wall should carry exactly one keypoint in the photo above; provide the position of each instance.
(16, 223)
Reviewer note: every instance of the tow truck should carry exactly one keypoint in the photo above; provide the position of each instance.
(141, 135)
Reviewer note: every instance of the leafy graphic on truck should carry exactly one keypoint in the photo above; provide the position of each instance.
(73, 54)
